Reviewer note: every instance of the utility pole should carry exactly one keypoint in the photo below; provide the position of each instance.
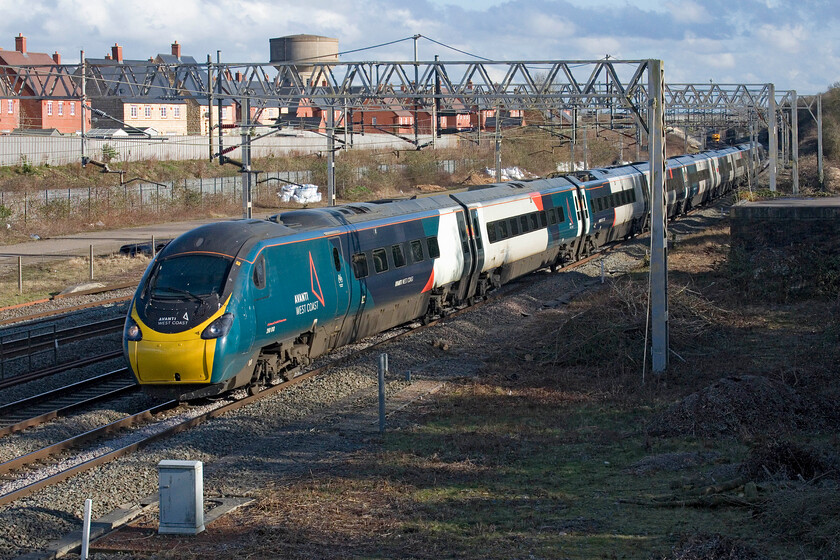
(435, 103)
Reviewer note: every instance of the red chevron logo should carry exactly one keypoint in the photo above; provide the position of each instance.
(313, 279)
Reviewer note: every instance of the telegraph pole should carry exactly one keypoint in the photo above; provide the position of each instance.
(794, 141)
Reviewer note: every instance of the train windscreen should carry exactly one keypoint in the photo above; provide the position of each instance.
(189, 275)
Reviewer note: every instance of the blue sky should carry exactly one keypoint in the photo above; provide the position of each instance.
(792, 43)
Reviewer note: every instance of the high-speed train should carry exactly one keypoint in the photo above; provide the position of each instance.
(243, 302)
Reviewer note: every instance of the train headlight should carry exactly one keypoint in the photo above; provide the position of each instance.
(132, 331)
(219, 327)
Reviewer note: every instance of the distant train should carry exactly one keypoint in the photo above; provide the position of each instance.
(244, 302)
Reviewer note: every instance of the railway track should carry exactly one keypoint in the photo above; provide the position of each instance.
(47, 406)
(28, 342)
(153, 430)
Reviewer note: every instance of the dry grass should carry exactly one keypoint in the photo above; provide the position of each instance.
(42, 280)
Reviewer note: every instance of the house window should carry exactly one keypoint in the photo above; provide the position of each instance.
(61, 108)
(72, 108)
(373, 121)
(176, 112)
(49, 108)
(134, 111)
(148, 111)
(11, 106)
(163, 112)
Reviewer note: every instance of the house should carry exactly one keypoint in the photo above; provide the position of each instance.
(387, 116)
(9, 114)
(46, 95)
(190, 80)
(120, 100)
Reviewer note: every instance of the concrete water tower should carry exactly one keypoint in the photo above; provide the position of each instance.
(304, 50)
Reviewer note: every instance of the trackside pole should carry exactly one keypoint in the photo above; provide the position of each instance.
(383, 367)
(659, 229)
(86, 530)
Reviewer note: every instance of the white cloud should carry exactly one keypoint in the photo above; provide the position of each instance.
(686, 11)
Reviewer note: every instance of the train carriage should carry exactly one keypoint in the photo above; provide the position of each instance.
(243, 302)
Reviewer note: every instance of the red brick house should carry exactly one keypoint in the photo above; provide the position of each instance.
(60, 110)
(9, 115)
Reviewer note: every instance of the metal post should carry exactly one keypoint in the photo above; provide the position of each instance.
(154, 247)
(383, 367)
(209, 108)
(83, 108)
(435, 102)
(330, 156)
(416, 89)
(659, 229)
(498, 146)
(20, 275)
(86, 529)
(773, 137)
(794, 140)
(246, 158)
(90, 247)
(820, 142)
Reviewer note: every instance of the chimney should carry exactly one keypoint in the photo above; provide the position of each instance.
(239, 76)
(176, 50)
(20, 43)
(57, 57)
(116, 52)
(108, 57)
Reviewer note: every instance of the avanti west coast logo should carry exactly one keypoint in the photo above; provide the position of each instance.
(303, 302)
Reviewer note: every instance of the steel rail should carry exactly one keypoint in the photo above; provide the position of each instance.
(54, 403)
(53, 312)
(26, 345)
(56, 369)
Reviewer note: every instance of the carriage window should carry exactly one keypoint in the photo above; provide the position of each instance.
(491, 233)
(259, 273)
(434, 249)
(380, 260)
(514, 227)
(360, 266)
(503, 229)
(523, 223)
(399, 257)
(533, 224)
(552, 216)
(336, 260)
(543, 219)
(416, 251)
(560, 215)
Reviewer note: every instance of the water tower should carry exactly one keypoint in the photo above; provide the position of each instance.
(303, 50)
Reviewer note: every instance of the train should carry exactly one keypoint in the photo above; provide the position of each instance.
(244, 303)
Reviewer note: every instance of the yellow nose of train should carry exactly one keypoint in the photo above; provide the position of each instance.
(182, 357)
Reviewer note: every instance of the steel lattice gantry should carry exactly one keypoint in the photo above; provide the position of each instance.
(636, 87)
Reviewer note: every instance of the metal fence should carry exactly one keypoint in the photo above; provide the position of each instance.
(63, 203)
(63, 150)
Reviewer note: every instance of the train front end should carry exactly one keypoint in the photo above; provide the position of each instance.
(188, 334)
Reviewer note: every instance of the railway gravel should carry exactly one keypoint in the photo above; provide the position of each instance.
(313, 424)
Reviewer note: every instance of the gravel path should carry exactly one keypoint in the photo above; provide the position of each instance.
(315, 423)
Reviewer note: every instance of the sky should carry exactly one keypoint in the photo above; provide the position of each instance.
(791, 43)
